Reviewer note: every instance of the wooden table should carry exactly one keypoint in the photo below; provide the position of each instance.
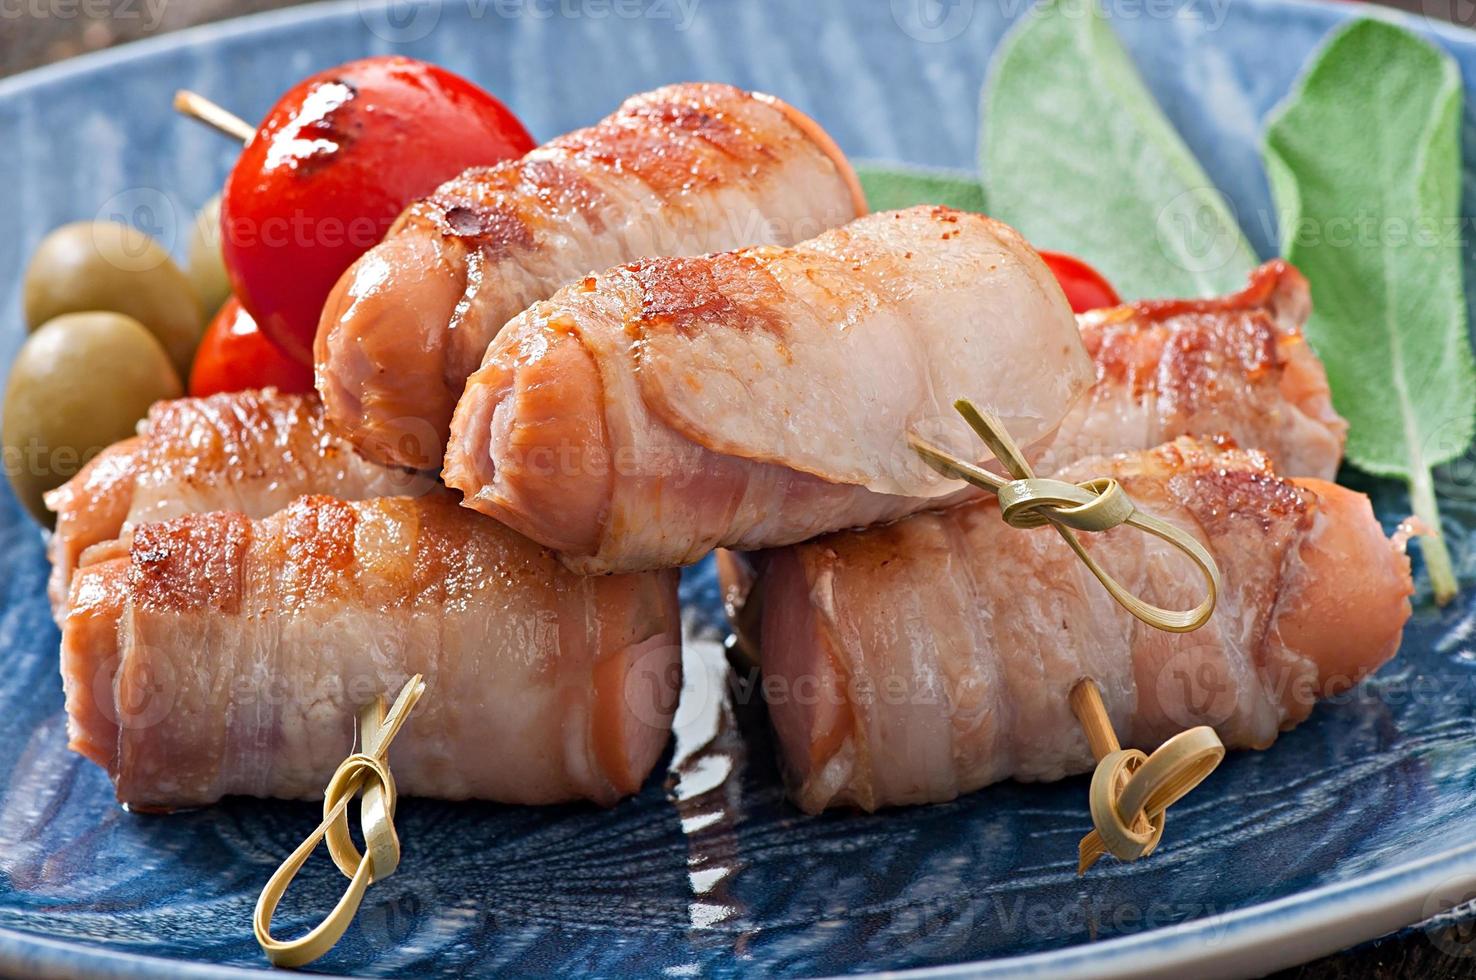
(29, 42)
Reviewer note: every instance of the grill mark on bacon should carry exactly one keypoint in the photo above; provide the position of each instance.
(661, 143)
(247, 450)
(1183, 360)
(564, 188)
(690, 295)
(190, 563)
(1222, 485)
(708, 123)
(669, 156)
(318, 543)
(497, 230)
(499, 208)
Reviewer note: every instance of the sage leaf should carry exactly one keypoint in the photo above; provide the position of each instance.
(1364, 164)
(1076, 154)
(891, 186)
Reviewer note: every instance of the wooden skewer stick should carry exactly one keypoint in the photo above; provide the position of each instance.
(197, 107)
(1130, 790)
(1086, 704)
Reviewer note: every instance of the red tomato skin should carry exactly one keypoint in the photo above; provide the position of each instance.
(235, 355)
(1085, 287)
(333, 164)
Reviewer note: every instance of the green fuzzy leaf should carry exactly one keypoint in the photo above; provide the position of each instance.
(1376, 231)
(1078, 156)
(1365, 168)
(890, 187)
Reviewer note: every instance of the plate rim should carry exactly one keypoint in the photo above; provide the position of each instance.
(233, 27)
(1265, 936)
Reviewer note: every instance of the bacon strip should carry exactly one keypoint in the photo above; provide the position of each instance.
(214, 655)
(252, 452)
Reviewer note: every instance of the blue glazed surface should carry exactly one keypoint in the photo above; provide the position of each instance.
(1367, 804)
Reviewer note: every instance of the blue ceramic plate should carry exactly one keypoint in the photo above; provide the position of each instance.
(1361, 821)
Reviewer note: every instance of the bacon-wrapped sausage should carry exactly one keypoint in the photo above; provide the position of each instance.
(1236, 365)
(682, 170)
(912, 663)
(248, 451)
(645, 416)
(214, 655)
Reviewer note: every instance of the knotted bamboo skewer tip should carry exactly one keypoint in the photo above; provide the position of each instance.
(366, 770)
(1131, 791)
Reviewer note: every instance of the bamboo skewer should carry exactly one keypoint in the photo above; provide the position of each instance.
(201, 109)
(366, 770)
(1130, 790)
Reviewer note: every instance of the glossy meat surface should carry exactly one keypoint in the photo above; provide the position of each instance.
(252, 452)
(214, 655)
(682, 170)
(912, 663)
(645, 416)
(1236, 365)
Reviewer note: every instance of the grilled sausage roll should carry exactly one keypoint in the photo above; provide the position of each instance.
(215, 655)
(247, 451)
(1236, 364)
(912, 663)
(643, 417)
(682, 170)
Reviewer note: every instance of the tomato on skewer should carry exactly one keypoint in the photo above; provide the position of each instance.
(235, 355)
(1085, 287)
(335, 161)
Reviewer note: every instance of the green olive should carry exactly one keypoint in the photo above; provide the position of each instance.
(104, 265)
(80, 383)
(206, 266)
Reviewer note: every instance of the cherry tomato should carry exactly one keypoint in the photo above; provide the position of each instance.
(1085, 287)
(335, 161)
(235, 355)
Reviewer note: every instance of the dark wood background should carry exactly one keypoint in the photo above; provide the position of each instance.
(1436, 952)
